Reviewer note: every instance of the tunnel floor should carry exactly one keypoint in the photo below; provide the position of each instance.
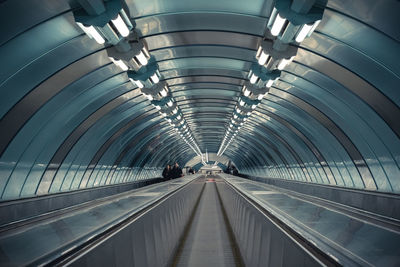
(208, 241)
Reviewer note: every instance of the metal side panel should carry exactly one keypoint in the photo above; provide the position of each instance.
(261, 241)
(23, 209)
(333, 232)
(148, 240)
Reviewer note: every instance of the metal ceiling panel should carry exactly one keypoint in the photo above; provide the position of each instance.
(71, 119)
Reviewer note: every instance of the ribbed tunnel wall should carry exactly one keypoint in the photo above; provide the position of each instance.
(71, 119)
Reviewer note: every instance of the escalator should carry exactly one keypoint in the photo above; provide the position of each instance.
(201, 221)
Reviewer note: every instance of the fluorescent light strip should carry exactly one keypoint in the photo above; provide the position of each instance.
(283, 63)
(149, 97)
(164, 92)
(253, 78)
(154, 78)
(263, 58)
(92, 33)
(303, 32)
(313, 27)
(142, 58)
(119, 63)
(139, 84)
(278, 25)
(269, 83)
(121, 26)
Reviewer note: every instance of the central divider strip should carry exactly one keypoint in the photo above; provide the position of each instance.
(235, 248)
(184, 236)
(208, 238)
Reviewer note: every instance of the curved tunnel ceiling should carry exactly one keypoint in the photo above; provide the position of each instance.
(71, 119)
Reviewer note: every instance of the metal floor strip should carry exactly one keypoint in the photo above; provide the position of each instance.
(208, 242)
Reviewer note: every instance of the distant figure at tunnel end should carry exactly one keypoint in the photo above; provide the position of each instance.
(166, 174)
(176, 171)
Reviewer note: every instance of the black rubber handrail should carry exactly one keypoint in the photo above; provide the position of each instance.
(303, 242)
(70, 254)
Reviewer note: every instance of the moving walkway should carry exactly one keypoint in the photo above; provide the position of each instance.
(203, 221)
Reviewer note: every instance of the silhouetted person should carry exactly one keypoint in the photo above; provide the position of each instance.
(191, 171)
(166, 174)
(235, 171)
(228, 170)
(176, 171)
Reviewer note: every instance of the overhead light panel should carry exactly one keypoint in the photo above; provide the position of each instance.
(263, 58)
(277, 25)
(121, 26)
(154, 78)
(91, 32)
(301, 35)
(246, 92)
(313, 27)
(284, 63)
(137, 83)
(142, 58)
(253, 78)
(105, 21)
(164, 92)
(149, 97)
(269, 83)
(119, 63)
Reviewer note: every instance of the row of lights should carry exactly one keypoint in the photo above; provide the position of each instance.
(290, 21)
(107, 21)
(160, 96)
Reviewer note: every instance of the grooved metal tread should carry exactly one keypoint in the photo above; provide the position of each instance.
(207, 242)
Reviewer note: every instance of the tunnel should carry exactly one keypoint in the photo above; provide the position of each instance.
(282, 115)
